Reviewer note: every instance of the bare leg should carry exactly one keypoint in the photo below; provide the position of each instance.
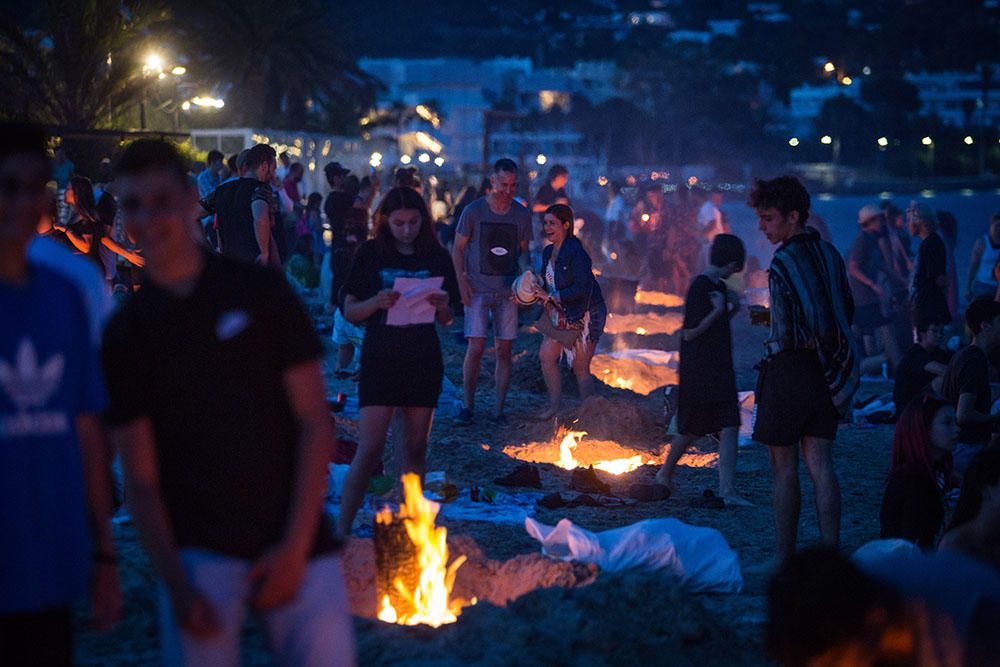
(787, 497)
(678, 445)
(470, 370)
(418, 428)
(504, 365)
(548, 356)
(373, 426)
(581, 368)
(818, 455)
(728, 442)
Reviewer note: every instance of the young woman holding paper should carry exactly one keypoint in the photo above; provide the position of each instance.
(401, 366)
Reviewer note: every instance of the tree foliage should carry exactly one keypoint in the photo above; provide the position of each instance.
(81, 66)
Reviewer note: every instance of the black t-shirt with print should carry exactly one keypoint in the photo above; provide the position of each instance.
(706, 364)
(207, 370)
(232, 204)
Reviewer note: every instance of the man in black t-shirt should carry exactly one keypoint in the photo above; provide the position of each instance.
(928, 299)
(244, 210)
(922, 366)
(217, 407)
(552, 192)
(966, 383)
(338, 202)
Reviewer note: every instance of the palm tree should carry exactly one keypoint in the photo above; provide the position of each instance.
(282, 60)
(80, 68)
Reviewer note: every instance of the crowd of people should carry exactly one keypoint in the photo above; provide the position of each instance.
(207, 382)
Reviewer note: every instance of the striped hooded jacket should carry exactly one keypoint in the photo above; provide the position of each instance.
(812, 308)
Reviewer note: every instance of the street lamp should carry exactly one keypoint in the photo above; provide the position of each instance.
(968, 140)
(439, 161)
(405, 159)
(793, 142)
(846, 80)
(927, 141)
(826, 139)
(882, 142)
(424, 157)
(540, 159)
(829, 67)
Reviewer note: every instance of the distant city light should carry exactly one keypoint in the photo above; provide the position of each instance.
(645, 217)
(376, 160)
(161, 75)
(602, 180)
(405, 159)
(793, 142)
(208, 102)
(439, 161)
(424, 157)
(927, 141)
(866, 70)
(540, 159)
(847, 81)
(967, 140)
(630, 180)
(186, 106)
(882, 141)
(829, 67)
(152, 64)
(826, 139)
(692, 181)
(178, 71)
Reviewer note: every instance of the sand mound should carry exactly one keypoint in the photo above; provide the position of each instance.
(641, 371)
(618, 420)
(645, 324)
(658, 623)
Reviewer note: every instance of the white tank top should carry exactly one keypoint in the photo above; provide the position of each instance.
(989, 260)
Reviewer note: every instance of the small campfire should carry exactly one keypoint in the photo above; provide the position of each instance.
(566, 452)
(641, 371)
(661, 299)
(414, 579)
(648, 324)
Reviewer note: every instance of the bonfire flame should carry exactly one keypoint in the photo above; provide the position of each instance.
(614, 466)
(431, 598)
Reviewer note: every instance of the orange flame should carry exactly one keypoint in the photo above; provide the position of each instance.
(431, 599)
(614, 466)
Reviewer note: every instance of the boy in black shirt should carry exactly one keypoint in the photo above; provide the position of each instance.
(966, 383)
(218, 409)
(920, 366)
(707, 402)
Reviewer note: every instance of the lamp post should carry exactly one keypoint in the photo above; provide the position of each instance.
(153, 65)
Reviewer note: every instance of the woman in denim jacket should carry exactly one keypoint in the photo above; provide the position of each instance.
(573, 300)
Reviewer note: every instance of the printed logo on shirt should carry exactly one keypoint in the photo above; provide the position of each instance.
(231, 323)
(30, 386)
(498, 251)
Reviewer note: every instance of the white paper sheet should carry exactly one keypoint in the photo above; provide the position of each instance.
(413, 307)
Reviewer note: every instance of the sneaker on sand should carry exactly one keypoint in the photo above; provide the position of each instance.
(464, 417)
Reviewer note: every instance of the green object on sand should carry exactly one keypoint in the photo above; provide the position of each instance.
(380, 485)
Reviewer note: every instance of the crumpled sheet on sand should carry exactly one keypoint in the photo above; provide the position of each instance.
(699, 557)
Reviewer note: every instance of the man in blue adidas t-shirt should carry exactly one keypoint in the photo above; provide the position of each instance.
(55, 500)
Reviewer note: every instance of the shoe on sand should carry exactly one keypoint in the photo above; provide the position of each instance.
(585, 480)
(522, 475)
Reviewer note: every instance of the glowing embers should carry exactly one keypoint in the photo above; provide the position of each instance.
(414, 579)
(568, 450)
(662, 299)
(641, 371)
(647, 324)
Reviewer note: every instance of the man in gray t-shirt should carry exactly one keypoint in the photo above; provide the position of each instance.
(490, 240)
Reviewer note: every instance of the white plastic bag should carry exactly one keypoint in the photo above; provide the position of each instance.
(700, 557)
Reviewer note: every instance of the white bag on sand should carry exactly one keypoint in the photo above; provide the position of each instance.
(700, 557)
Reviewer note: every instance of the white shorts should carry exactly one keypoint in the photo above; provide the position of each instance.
(345, 333)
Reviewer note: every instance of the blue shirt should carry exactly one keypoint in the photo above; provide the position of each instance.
(207, 181)
(49, 374)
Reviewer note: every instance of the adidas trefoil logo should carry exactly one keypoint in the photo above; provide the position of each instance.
(28, 384)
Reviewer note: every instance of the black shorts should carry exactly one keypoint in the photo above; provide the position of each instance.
(793, 400)
(868, 318)
(707, 418)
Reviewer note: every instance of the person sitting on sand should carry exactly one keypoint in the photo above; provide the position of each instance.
(707, 402)
(923, 366)
(573, 300)
(401, 366)
(921, 472)
(975, 525)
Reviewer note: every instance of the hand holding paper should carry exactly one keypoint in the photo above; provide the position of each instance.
(414, 305)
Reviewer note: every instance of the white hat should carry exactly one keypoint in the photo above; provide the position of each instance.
(523, 288)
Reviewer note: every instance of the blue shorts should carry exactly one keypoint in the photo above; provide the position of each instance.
(500, 307)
